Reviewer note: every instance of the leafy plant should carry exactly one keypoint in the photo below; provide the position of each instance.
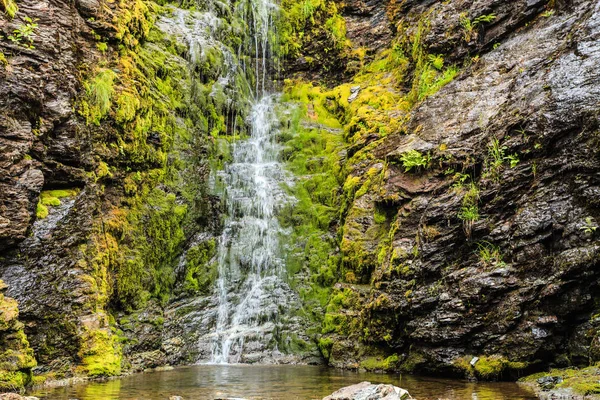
(484, 19)
(548, 13)
(590, 226)
(469, 25)
(469, 212)
(24, 34)
(495, 157)
(437, 60)
(414, 159)
(513, 159)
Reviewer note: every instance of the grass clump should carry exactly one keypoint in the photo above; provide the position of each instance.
(490, 255)
(98, 96)
(10, 7)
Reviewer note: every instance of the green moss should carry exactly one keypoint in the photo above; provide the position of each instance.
(387, 364)
(312, 143)
(14, 380)
(41, 211)
(3, 60)
(52, 198)
(200, 275)
(100, 353)
(583, 381)
(325, 346)
(488, 368)
(10, 7)
(413, 362)
(16, 357)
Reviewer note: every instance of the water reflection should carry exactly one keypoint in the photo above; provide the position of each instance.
(205, 382)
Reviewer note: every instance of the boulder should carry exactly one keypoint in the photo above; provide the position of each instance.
(369, 391)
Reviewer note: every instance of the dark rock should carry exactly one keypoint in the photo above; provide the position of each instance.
(441, 300)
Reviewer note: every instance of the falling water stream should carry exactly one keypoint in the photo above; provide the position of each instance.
(250, 264)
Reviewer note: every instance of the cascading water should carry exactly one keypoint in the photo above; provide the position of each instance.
(250, 263)
(251, 314)
(251, 269)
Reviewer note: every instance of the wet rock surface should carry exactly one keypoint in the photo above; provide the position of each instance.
(369, 391)
(535, 95)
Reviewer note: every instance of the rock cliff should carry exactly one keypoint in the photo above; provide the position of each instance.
(469, 211)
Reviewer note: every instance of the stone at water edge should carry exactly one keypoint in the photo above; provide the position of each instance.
(14, 396)
(369, 391)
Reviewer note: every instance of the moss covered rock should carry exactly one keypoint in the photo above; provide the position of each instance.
(16, 356)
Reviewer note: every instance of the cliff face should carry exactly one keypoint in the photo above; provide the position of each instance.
(102, 175)
(469, 212)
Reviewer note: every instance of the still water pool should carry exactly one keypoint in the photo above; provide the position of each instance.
(207, 382)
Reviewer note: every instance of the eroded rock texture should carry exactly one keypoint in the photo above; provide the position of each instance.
(516, 284)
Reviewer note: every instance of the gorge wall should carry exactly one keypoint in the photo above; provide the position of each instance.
(469, 209)
(446, 157)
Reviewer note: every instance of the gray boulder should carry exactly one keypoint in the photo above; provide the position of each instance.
(369, 391)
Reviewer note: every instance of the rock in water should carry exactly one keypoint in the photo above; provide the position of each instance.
(14, 396)
(369, 391)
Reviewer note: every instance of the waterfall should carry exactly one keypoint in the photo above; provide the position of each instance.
(251, 314)
(250, 265)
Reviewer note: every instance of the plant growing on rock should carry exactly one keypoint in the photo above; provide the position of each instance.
(24, 34)
(414, 159)
(590, 226)
(469, 212)
(489, 254)
(99, 92)
(437, 60)
(469, 25)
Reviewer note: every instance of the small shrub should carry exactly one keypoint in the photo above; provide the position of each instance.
(23, 35)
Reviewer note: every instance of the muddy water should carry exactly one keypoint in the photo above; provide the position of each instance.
(273, 382)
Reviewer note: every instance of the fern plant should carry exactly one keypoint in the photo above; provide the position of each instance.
(414, 159)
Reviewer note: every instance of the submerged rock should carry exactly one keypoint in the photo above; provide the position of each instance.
(369, 391)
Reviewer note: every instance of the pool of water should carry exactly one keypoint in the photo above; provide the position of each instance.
(283, 382)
